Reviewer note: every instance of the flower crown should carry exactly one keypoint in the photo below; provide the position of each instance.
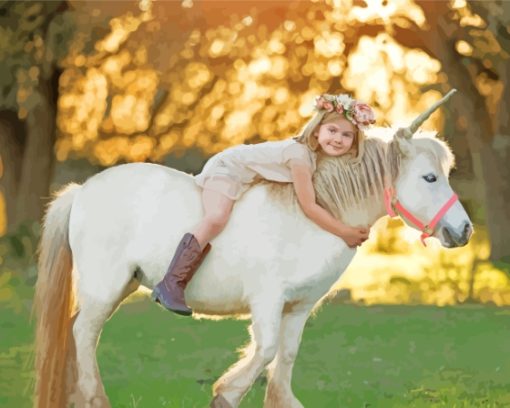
(358, 113)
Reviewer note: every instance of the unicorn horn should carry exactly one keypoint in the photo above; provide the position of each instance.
(411, 130)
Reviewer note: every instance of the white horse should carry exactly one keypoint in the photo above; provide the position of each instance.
(117, 231)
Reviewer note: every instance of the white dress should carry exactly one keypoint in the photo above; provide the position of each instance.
(232, 171)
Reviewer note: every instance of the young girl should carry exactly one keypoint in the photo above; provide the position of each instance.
(335, 130)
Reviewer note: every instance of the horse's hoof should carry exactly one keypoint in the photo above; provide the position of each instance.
(219, 402)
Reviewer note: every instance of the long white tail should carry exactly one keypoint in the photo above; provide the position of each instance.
(54, 302)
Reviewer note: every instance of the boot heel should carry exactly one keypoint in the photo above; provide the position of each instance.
(155, 295)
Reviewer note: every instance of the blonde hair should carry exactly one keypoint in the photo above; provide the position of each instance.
(306, 135)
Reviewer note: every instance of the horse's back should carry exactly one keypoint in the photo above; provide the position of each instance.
(140, 176)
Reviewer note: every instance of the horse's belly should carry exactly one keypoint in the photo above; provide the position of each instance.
(216, 309)
(216, 295)
(273, 270)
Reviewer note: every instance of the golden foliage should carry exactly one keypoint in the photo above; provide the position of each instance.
(394, 267)
(250, 77)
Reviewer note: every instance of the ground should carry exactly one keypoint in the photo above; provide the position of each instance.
(351, 356)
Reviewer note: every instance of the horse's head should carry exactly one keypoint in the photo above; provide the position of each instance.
(423, 196)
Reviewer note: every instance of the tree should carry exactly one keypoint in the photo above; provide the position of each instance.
(481, 73)
(195, 77)
(35, 39)
(29, 88)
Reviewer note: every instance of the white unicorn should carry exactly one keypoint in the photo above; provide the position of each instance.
(105, 238)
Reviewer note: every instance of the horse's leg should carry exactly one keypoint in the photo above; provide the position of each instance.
(86, 331)
(89, 322)
(264, 330)
(247, 354)
(278, 391)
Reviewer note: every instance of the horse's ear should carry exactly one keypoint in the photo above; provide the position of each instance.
(404, 143)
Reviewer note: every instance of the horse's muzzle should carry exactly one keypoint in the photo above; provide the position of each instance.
(458, 240)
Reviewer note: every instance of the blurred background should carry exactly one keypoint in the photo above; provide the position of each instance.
(85, 85)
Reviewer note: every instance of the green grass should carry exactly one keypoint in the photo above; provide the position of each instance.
(351, 356)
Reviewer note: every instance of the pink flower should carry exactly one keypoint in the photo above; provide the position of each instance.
(339, 108)
(328, 106)
(319, 102)
(363, 114)
(323, 103)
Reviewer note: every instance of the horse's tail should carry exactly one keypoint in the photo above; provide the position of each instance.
(54, 302)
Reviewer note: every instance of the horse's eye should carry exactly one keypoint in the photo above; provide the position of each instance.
(430, 178)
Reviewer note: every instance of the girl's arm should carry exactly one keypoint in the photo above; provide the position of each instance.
(302, 179)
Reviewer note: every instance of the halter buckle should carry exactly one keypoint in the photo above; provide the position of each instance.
(427, 230)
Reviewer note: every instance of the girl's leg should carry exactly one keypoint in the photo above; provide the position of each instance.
(191, 251)
(217, 210)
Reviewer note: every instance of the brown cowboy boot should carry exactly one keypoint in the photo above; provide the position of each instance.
(170, 291)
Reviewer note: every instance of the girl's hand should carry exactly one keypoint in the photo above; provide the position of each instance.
(354, 236)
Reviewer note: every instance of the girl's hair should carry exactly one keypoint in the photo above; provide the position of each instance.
(306, 135)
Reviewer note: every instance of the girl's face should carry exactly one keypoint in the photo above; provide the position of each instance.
(336, 138)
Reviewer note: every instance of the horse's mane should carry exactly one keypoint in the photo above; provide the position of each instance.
(342, 183)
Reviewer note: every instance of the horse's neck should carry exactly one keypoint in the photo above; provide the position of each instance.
(366, 213)
(372, 208)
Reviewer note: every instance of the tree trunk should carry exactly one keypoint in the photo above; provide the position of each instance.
(12, 134)
(490, 151)
(496, 170)
(499, 170)
(490, 160)
(38, 158)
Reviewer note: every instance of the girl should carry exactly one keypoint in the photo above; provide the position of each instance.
(334, 130)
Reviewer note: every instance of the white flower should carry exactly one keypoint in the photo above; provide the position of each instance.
(345, 100)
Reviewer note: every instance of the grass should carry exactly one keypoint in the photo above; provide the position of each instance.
(351, 356)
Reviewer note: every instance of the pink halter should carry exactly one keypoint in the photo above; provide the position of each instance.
(394, 208)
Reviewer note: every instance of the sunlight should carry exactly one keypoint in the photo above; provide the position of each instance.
(329, 44)
(421, 68)
(236, 123)
(259, 66)
(464, 48)
(122, 27)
